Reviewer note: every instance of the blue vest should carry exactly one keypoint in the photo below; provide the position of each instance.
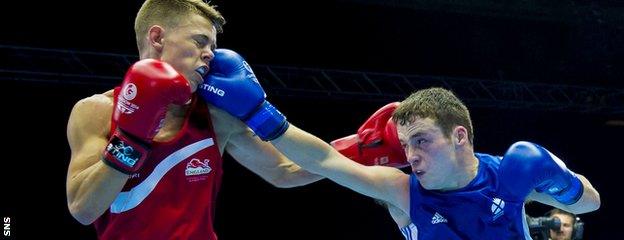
(473, 212)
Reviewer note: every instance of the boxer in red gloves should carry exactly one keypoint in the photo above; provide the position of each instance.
(146, 157)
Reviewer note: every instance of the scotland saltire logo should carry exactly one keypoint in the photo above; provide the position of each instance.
(497, 208)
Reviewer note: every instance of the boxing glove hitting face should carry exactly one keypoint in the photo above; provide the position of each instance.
(232, 86)
(376, 141)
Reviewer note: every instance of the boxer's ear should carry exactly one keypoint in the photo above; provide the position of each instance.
(460, 135)
(155, 36)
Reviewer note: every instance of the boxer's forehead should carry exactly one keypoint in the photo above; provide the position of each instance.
(199, 25)
(417, 126)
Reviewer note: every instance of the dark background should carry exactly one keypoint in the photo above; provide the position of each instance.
(568, 42)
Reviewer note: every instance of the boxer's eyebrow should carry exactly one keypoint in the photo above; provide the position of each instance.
(416, 135)
(412, 136)
(204, 40)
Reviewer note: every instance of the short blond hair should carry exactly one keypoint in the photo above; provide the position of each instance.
(169, 12)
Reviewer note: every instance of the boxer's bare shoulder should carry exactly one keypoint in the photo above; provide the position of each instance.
(94, 111)
(97, 100)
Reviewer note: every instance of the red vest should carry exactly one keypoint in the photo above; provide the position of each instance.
(174, 194)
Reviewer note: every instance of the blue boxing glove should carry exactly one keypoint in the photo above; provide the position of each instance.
(527, 166)
(232, 86)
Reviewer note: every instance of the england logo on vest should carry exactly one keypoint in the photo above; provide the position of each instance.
(197, 167)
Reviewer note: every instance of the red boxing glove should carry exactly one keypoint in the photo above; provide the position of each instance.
(376, 142)
(148, 88)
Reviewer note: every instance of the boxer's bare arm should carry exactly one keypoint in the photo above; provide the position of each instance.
(388, 184)
(256, 155)
(91, 185)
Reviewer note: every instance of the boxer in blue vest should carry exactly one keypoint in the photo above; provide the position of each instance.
(451, 193)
